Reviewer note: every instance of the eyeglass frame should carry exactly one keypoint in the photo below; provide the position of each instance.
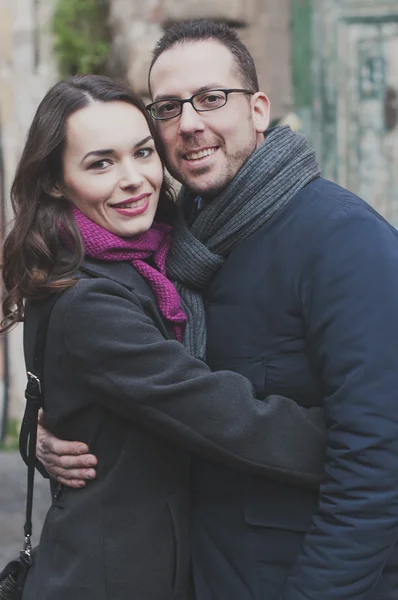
(190, 100)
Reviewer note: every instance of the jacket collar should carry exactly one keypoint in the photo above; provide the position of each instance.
(125, 274)
(121, 272)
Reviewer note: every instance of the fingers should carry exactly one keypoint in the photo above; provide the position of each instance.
(68, 463)
(72, 483)
(66, 476)
(72, 471)
(48, 443)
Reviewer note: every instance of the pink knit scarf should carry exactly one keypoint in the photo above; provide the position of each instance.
(154, 243)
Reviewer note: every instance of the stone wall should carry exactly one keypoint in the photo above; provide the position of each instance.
(264, 26)
(26, 72)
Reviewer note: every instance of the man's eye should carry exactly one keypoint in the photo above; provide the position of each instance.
(100, 164)
(168, 107)
(211, 100)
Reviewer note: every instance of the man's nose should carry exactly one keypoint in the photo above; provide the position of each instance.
(190, 120)
(130, 176)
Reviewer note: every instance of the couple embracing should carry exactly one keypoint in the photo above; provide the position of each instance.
(230, 363)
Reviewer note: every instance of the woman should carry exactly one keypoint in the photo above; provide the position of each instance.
(87, 190)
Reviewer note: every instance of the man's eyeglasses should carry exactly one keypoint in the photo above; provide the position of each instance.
(202, 102)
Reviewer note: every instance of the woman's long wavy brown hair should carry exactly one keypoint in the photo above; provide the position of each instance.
(34, 265)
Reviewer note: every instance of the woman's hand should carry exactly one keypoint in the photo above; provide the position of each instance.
(68, 463)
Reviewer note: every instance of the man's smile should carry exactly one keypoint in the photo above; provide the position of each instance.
(197, 154)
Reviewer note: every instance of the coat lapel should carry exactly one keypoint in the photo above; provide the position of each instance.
(125, 274)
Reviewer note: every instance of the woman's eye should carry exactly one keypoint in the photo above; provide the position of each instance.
(144, 152)
(100, 164)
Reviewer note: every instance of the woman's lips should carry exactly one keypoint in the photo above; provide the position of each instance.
(131, 208)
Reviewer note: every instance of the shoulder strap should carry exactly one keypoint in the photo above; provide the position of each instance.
(34, 401)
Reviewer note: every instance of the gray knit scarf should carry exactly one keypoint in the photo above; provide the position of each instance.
(275, 172)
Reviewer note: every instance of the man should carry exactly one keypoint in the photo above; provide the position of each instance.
(300, 285)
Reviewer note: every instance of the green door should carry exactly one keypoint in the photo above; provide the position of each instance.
(356, 98)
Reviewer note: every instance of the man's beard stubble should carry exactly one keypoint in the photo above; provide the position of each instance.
(209, 190)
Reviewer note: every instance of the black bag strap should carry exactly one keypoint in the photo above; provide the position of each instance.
(28, 433)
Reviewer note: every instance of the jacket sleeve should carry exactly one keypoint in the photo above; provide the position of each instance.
(351, 302)
(140, 375)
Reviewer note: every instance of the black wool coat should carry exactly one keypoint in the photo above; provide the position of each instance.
(116, 379)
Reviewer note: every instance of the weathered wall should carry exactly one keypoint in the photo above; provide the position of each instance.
(26, 72)
(136, 26)
(356, 98)
(264, 26)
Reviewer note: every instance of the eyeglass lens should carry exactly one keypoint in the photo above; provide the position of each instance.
(201, 102)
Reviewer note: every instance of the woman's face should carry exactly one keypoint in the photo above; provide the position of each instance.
(111, 170)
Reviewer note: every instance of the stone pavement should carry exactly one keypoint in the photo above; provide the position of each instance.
(12, 505)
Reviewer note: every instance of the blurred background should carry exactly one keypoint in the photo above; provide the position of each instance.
(330, 68)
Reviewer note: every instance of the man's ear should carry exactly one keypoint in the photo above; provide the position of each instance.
(261, 108)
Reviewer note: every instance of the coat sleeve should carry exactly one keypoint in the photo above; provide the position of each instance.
(351, 300)
(134, 371)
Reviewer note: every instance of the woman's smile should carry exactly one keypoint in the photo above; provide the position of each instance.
(133, 206)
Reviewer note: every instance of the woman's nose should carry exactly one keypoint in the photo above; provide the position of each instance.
(130, 175)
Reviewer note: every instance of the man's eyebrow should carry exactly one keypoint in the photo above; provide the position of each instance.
(108, 151)
(204, 88)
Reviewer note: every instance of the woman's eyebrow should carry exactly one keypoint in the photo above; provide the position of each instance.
(97, 153)
(108, 151)
(144, 141)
